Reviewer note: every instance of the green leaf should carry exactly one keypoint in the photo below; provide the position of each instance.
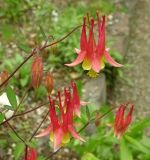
(79, 84)
(125, 153)
(19, 149)
(146, 141)
(41, 158)
(14, 137)
(7, 32)
(137, 144)
(89, 156)
(24, 48)
(2, 117)
(18, 59)
(25, 71)
(40, 92)
(8, 107)
(141, 125)
(24, 81)
(4, 143)
(11, 97)
(32, 144)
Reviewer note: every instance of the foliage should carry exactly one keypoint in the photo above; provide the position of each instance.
(102, 144)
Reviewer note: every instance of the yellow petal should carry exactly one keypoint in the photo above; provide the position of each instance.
(66, 138)
(51, 137)
(86, 65)
(102, 63)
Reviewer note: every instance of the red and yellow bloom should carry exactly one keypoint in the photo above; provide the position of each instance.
(91, 54)
(61, 125)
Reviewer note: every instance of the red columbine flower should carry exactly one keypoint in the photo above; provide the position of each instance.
(91, 54)
(37, 71)
(121, 121)
(61, 126)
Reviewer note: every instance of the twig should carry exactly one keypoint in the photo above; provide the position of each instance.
(26, 152)
(16, 132)
(52, 154)
(61, 39)
(34, 133)
(18, 115)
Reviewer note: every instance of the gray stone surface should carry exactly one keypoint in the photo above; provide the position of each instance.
(95, 93)
(94, 90)
(137, 53)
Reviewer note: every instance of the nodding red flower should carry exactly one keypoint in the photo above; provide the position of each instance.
(31, 154)
(91, 54)
(121, 121)
(61, 126)
(36, 71)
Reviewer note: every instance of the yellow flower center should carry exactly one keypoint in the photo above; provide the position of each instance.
(86, 65)
(66, 138)
(92, 73)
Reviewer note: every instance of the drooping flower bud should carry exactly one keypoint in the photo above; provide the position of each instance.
(3, 76)
(121, 121)
(37, 71)
(49, 82)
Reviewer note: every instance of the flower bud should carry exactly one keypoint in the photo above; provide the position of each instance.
(37, 71)
(3, 76)
(49, 83)
(122, 122)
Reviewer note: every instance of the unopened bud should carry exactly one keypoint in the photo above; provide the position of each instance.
(3, 76)
(49, 83)
(37, 71)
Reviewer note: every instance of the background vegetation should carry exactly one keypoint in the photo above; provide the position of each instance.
(23, 25)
